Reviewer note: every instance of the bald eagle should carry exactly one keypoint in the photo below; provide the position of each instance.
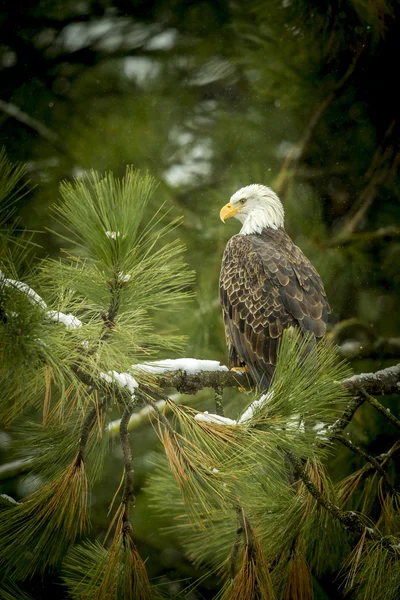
(266, 285)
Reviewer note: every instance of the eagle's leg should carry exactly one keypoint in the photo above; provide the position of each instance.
(234, 361)
(236, 364)
(240, 370)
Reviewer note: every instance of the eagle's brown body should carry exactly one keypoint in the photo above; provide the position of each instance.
(266, 286)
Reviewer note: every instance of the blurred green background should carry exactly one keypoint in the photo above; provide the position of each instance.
(210, 96)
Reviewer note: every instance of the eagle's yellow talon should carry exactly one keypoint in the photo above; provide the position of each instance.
(241, 389)
(240, 369)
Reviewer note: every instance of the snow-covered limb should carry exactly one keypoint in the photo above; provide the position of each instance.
(380, 383)
(7, 500)
(198, 377)
(189, 365)
(255, 407)
(32, 296)
(248, 414)
(121, 379)
(206, 417)
(136, 419)
(68, 320)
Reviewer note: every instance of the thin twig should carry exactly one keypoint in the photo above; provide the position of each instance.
(128, 497)
(297, 153)
(345, 418)
(146, 399)
(218, 397)
(363, 237)
(86, 429)
(12, 110)
(379, 407)
(373, 461)
(349, 519)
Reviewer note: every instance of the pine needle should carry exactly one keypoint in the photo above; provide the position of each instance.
(93, 573)
(299, 584)
(252, 579)
(45, 524)
(114, 497)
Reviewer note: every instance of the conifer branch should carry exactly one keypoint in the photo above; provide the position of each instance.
(345, 418)
(381, 383)
(146, 399)
(219, 409)
(349, 519)
(128, 495)
(376, 465)
(379, 407)
(12, 110)
(85, 431)
(364, 237)
(352, 521)
(191, 383)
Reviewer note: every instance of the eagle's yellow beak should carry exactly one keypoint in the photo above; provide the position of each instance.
(227, 212)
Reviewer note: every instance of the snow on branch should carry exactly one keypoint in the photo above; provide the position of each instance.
(69, 320)
(189, 365)
(32, 296)
(380, 383)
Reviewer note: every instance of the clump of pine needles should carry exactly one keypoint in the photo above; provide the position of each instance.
(36, 533)
(93, 573)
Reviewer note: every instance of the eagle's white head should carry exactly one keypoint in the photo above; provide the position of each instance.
(257, 207)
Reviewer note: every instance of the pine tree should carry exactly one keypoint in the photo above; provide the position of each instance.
(299, 95)
(251, 499)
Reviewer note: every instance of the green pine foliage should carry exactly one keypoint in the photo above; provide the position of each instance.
(9, 590)
(37, 533)
(93, 573)
(94, 314)
(244, 469)
(209, 96)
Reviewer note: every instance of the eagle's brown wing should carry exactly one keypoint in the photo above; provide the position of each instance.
(266, 286)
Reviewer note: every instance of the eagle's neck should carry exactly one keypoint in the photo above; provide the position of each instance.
(267, 215)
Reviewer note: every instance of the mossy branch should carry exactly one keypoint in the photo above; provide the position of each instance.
(383, 382)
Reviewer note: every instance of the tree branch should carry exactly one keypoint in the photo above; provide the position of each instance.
(383, 382)
(384, 411)
(16, 113)
(128, 495)
(349, 519)
(191, 383)
(363, 237)
(371, 459)
(298, 151)
(86, 429)
(380, 383)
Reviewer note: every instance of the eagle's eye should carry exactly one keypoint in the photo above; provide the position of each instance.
(242, 200)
